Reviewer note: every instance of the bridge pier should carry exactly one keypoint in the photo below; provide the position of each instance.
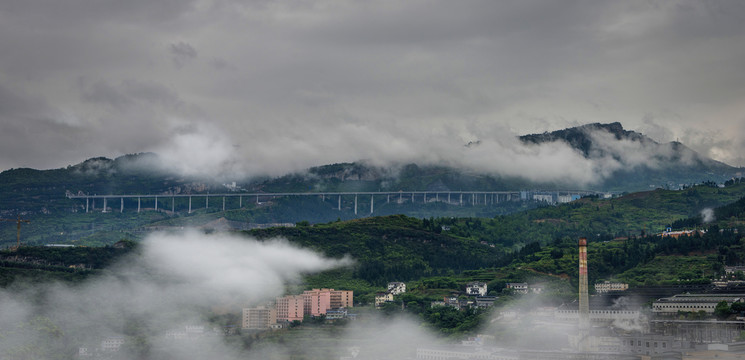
(461, 199)
(412, 197)
(189, 204)
(173, 205)
(156, 203)
(93, 204)
(207, 202)
(448, 198)
(425, 197)
(339, 202)
(121, 206)
(86, 205)
(371, 203)
(240, 202)
(355, 204)
(138, 204)
(104, 205)
(388, 201)
(223, 203)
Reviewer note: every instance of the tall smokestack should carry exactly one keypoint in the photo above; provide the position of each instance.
(584, 303)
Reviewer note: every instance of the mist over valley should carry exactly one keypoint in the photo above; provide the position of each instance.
(324, 179)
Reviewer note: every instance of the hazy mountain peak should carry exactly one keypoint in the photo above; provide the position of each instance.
(582, 137)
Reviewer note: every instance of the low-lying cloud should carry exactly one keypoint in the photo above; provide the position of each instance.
(707, 215)
(175, 281)
(203, 150)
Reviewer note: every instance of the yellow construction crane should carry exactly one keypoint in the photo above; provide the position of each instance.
(18, 222)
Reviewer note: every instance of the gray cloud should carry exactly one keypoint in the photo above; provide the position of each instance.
(182, 53)
(288, 85)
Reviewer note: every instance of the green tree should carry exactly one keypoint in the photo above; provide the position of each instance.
(722, 310)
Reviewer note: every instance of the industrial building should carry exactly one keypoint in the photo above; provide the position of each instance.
(693, 303)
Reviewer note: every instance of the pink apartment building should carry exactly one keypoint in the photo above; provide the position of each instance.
(314, 302)
(290, 308)
(318, 301)
(341, 298)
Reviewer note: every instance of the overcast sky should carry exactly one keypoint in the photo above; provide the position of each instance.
(273, 86)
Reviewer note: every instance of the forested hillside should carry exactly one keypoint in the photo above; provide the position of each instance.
(636, 214)
(438, 256)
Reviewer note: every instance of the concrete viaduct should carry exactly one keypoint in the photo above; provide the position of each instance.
(461, 198)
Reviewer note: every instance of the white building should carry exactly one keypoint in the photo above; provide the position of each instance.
(112, 343)
(628, 319)
(382, 297)
(548, 198)
(607, 286)
(176, 334)
(396, 288)
(564, 199)
(84, 352)
(518, 288)
(476, 288)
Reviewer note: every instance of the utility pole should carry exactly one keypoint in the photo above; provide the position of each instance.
(18, 223)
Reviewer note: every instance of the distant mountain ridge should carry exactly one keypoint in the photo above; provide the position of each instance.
(580, 138)
(662, 164)
(39, 195)
(674, 164)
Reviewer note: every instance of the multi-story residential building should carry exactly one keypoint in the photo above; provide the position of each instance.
(316, 302)
(319, 301)
(476, 288)
(536, 288)
(608, 286)
(382, 297)
(290, 308)
(112, 343)
(259, 318)
(341, 299)
(693, 303)
(396, 288)
(338, 314)
(729, 270)
(485, 301)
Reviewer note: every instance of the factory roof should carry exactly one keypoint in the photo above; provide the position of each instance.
(703, 298)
